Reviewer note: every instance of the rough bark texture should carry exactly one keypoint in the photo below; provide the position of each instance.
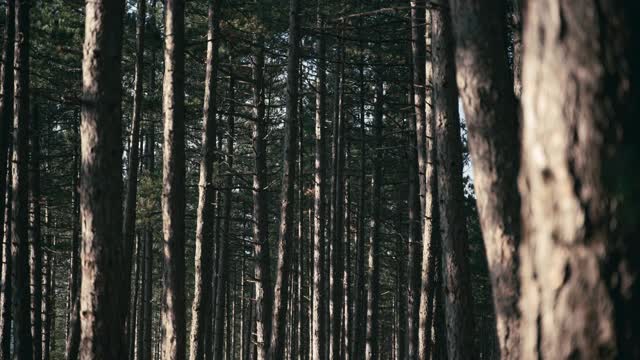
(173, 185)
(430, 234)
(285, 231)
(317, 334)
(102, 318)
(371, 351)
(455, 267)
(23, 347)
(263, 288)
(490, 107)
(6, 275)
(202, 302)
(579, 181)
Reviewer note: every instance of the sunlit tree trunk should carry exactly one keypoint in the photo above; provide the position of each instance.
(173, 190)
(102, 317)
(202, 304)
(579, 181)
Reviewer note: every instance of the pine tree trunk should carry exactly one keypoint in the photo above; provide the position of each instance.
(72, 341)
(455, 267)
(319, 296)
(35, 237)
(224, 252)
(337, 215)
(579, 181)
(285, 231)
(23, 340)
(102, 318)
(263, 288)
(490, 107)
(202, 306)
(133, 167)
(5, 330)
(6, 105)
(373, 258)
(173, 191)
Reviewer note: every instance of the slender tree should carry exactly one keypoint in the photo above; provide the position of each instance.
(202, 306)
(22, 337)
(455, 267)
(5, 340)
(173, 189)
(285, 231)
(317, 321)
(373, 271)
(35, 236)
(102, 318)
(491, 115)
(579, 187)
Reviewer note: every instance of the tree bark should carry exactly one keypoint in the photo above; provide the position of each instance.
(72, 341)
(173, 180)
(102, 318)
(22, 337)
(5, 331)
(129, 225)
(490, 106)
(202, 306)
(224, 253)
(263, 288)
(373, 276)
(35, 236)
(579, 183)
(6, 105)
(319, 296)
(285, 231)
(455, 267)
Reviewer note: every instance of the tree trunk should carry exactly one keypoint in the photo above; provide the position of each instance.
(102, 318)
(285, 231)
(5, 331)
(202, 307)
(35, 236)
(72, 344)
(134, 160)
(455, 267)
(579, 181)
(337, 216)
(373, 276)
(6, 105)
(491, 113)
(263, 288)
(173, 180)
(23, 340)
(224, 250)
(319, 296)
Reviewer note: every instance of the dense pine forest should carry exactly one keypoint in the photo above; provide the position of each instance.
(319, 179)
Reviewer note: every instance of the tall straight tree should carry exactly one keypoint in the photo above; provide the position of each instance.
(101, 317)
(579, 181)
(6, 104)
(317, 321)
(455, 267)
(173, 185)
(23, 346)
(285, 231)
(35, 235)
(263, 290)
(129, 223)
(373, 259)
(202, 302)
(6, 120)
(490, 107)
